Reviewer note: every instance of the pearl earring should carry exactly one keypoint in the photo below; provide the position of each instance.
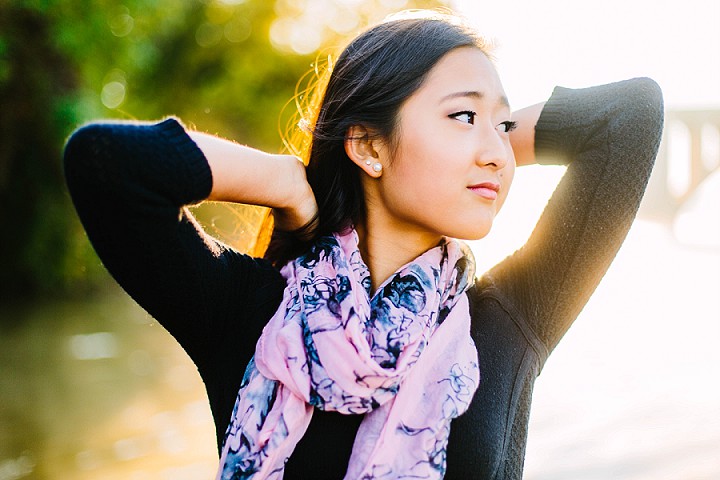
(368, 162)
(377, 167)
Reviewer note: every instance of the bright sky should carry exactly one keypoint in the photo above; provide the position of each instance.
(575, 43)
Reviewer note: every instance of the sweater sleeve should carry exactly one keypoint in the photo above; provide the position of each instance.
(130, 184)
(608, 136)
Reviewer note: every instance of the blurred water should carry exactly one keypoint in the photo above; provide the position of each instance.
(97, 389)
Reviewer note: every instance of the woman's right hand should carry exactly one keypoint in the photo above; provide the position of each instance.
(300, 214)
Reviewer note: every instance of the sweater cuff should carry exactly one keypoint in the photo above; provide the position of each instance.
(549, 148)
(190, 158)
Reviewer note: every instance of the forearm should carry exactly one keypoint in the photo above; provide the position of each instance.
(522, 138)
(245, 175)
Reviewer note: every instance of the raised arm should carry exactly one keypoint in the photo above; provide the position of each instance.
(130, 184)
(608, 136)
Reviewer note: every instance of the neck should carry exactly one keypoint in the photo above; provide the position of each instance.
(386, 248)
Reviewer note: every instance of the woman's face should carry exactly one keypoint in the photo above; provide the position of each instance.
(453, 165)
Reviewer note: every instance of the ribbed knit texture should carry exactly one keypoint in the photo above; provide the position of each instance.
(130, 183)
(609, 135)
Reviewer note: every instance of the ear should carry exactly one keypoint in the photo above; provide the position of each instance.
(362, 150)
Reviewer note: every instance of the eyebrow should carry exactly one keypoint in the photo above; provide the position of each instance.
(502, 100)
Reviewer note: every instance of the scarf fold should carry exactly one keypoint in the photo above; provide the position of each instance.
(403, 357)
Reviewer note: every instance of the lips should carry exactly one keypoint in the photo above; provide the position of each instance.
(487, 190)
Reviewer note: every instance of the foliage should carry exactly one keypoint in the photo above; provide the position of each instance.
(227, 67)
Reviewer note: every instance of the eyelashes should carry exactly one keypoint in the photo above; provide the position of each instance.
(509, 125)
(468, 116)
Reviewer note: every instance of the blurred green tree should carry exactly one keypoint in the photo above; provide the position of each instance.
(222, 66)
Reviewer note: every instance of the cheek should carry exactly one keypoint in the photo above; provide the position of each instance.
(411, 183)
(417, 167)
(416, 187)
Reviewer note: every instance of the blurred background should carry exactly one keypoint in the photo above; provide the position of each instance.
(92, 387)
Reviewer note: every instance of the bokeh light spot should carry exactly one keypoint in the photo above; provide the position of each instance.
(113, 94)
(121, 24)
(238, 30)
(208, 34)
(304, 40)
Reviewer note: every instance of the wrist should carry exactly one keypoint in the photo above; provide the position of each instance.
(297, 209)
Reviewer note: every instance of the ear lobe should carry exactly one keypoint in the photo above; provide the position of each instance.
(360, 149)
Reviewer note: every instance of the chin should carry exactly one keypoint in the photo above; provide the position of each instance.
(470, 233)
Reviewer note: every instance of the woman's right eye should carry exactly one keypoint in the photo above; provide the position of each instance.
(466, 116)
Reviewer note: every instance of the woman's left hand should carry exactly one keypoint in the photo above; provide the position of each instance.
(522, 138)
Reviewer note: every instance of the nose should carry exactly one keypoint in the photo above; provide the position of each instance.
(493, 149)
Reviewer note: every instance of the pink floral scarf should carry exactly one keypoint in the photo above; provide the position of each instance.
(403, 357)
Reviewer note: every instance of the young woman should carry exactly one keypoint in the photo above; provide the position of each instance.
(363, 345)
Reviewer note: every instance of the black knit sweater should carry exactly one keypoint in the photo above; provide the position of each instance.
(130, 183)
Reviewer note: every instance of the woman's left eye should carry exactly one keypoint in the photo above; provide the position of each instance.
(508, 126)
(466, 116)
